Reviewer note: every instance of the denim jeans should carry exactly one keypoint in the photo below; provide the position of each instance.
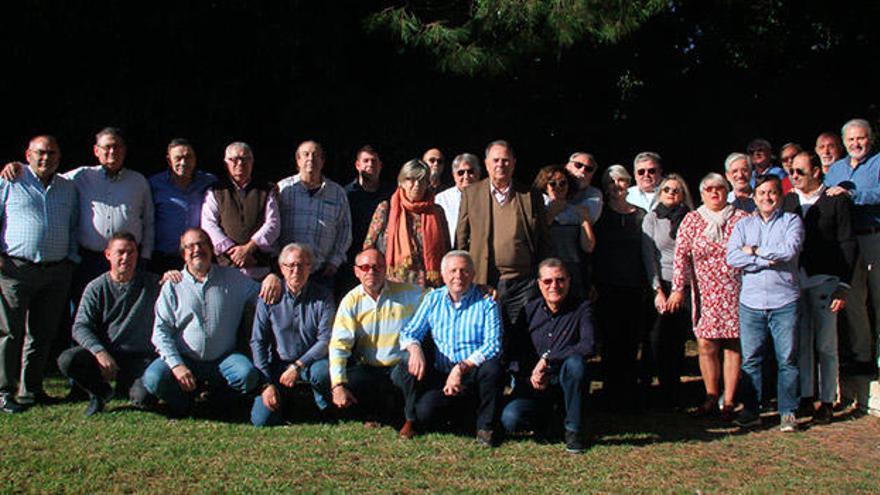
(818, 332)
(780, 324)
(235, 372)
(317, 375)
(530, 409)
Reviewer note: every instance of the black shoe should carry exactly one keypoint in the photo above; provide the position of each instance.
(9, 406)
(824, 415)
(486, 438)
(575, 442)
(96, 405)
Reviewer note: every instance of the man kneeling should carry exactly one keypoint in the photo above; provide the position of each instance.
(466, 330)
(553, 338)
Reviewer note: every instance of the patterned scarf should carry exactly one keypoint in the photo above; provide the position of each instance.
(715, 221)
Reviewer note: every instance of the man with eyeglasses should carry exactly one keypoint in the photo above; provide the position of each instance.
(829, 148)
(858, 176)
(242, 216)
(364, 348)
(465, 171)
(554, 338)
(196, 330)
(761, 160)
(826, 267)
(786, 155)
(435, 160)
(582, 166)
(289, 340)
(648, 171)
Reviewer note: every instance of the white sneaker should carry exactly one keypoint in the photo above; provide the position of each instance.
(788, 423)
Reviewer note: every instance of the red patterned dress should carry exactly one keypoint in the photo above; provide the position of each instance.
(715, 285)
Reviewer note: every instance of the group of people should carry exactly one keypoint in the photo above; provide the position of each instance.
(484, 295)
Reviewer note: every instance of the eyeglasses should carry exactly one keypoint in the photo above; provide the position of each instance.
(713, 189)
(649, 171)
(799, 171)
(556, 184)
(587, 166)
(465, 171)
(369, 268)
(671, 190)
(294, 266)
(549, 281)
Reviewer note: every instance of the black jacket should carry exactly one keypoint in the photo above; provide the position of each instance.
(829, 242)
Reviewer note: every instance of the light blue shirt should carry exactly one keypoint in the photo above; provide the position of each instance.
(200, 320)
(864, 187)
(39, 223)
(321, 220)
(177, 209)
(770, 278)
(637, 197)
(590, 197)
(468, 330)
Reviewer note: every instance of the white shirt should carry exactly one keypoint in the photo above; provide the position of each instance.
(450, 201)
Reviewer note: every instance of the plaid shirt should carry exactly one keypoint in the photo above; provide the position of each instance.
(321, 220)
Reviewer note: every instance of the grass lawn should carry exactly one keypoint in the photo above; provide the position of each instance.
(57, 449)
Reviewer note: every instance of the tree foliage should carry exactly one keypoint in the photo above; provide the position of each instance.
(493, 37)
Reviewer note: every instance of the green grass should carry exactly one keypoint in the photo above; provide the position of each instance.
(57, 449)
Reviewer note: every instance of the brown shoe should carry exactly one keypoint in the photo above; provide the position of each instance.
(407, 431)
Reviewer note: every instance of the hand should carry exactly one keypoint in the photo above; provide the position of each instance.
(173, 276)
(838, 299)
(329, 270)
(11, 171)
(238, 255)
(488, 291)
(539, 378)
(749, 250)
(270, 289)
(342, 397)
(270, 398)
(674, 301)
(416, 361)
(660, 301)
(831, 191)
(107, 364)
(453, 382)
(184, 377)
(288, 378)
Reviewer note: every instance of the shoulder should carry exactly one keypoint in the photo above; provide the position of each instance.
(159, 179)
(80, 173)
(334, 188)
(287, 182)
(96, 286)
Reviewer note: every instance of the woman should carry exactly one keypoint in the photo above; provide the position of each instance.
(700, 253)
(669, 332)
(622, 283)
(570, 226)
(410, 229)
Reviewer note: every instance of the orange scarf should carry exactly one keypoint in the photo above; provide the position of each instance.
(400, 241)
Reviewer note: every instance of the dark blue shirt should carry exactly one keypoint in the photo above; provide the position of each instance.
(567, 332)
(363, 203)
(177, 209)
(863, 183)
(294, 328)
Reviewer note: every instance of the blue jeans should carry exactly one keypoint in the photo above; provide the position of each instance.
(530, 408)
(317, 375)
(235, 372)
(781, 325)
(818, 332)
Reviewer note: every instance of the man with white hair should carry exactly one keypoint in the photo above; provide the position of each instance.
(647, 170)
(738, 172)
(829, 148)
(858, 175)
(465, 171)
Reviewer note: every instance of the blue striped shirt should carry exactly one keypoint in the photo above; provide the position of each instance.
(469, 330)
(39, 223)
(322, 219)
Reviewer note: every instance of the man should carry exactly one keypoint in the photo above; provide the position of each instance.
(648, 171)
(178, 194)
(364, 194)
(37, 245)
(829, 148)
(582, 166)
(766, 246)
(465, 171)
(315, 212)
(241, 217)
(289, 339)
(435, 161)
(738, 172)
(465, 328)
(556, 336)
(858, 176)
(196, 328)
(760, 158)
(113, 326)
(364, 347)
(502, 224)
(786, 155)
(826, 266)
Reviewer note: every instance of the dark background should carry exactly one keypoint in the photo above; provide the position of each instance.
(694, 84)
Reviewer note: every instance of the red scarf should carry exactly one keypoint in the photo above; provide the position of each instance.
(400, 241)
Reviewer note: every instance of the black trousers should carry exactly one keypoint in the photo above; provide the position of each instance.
(666, 341)
(621, 313)
(81, 366)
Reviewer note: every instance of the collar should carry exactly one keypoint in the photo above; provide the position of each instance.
(189, 276)
(112, 178)
(466, 298)
(815, 194)
(776, 214)
(32, 176)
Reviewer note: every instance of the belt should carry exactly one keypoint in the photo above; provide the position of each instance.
(43, 264)
(867, 230)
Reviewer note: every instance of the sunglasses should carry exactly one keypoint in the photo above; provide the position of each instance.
(293, 266)
(465, 171)
(369, 268)
(549, 281)
(799, 171)
(649, 171)
(556, 184)
(580, 165)
(671, 190)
